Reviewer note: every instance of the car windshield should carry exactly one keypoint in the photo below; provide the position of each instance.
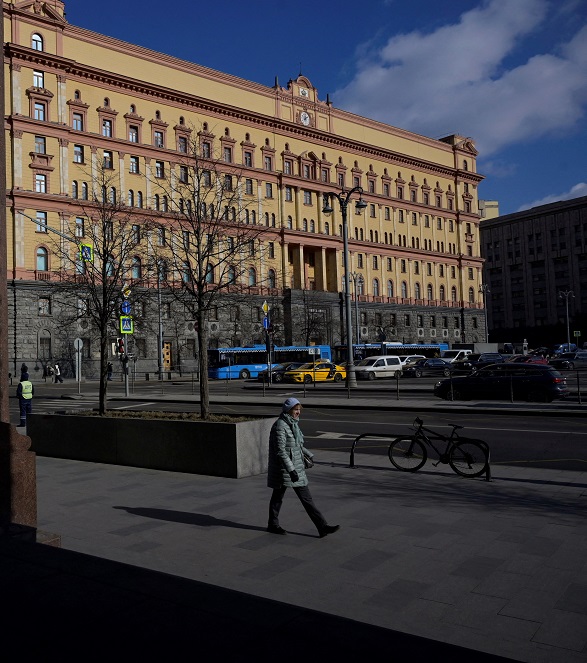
(367, 362)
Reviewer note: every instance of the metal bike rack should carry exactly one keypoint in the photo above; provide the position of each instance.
(352, 458)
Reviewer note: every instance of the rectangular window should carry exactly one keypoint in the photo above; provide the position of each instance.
(268, 190)
(372, 210)
(288, 193)
(40, 145)
(109, 231)
(387, 214)
(183, 174)
(134, 165)
(439, 223)
(470, 273)
(133, 133)
(158, 139)
(136, 234)
(371, 186)
(414, 219)
(375, 262)
(182, 144)
(389, 264)
(206, 150)
(438, 201)
(407, 319)
(107, 128)
(159, 169)
(228, 183)
(161, 236)
(41, 222)
(38, 79)
(268, 163)
(39, 111)
(227, 154)
(356, 181)
(307, 197)
(340, 179)
(41, 183)
(386, 190)
(249, 186)
(426, 198)
(271, 249)
(108, 163)
(78, 153)
(288, 167)
(359, 260)
(248, 159)
(206, 178)
(78, 122)
(79, 227)
(325, 175)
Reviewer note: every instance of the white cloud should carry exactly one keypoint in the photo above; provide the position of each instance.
(576, 191)
(455, 79)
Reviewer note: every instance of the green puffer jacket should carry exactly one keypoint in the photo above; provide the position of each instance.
(286, 444)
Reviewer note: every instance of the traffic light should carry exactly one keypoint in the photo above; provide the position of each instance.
(120, 346)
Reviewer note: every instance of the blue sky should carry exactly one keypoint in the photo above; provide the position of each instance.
(511, 74)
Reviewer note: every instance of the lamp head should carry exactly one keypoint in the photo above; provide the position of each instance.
(360, 204)
(327, 207)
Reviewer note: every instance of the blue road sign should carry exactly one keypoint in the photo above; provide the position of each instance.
(126, 324)
(125, 307)
(266, 322)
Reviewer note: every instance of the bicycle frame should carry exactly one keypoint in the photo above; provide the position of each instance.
(427, 435)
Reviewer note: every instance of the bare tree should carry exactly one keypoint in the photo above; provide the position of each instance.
(214, 246)
(312, 321)
(98, 254)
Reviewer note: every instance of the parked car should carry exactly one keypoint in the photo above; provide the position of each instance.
(532, 382)
(570, 360)
(278, 371)
(476, 361)
(454, 355)
(378, 367)
(427, 368)
(321, 371)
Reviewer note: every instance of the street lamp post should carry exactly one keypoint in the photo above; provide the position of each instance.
(484, 290)
(565, 294)
(160, 267)
(343, 198)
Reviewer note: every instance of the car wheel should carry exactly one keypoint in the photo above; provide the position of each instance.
(418, 373)
(371, 375)
(244, 374)
(307, 378)
(277, 377)
(446, 372)
(337, 377)
(571, 366)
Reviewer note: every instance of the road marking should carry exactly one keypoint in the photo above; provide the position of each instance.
(125, 407)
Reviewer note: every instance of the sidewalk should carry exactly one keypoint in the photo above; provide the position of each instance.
(429, 565)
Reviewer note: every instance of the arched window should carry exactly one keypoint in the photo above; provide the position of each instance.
(377, 237)
(253, 217)
(290, 223)
(74, 189)
(404, 290)
(252, 276)
(267, 219)
(430, 292)
(185, 272)
(104, 193)
(273, 220)
(113, 195)
(271, 278)
(417, 291)
(442, 293)
(362, 235)
(156, 201)
(165, 205)
(360, 283)
(135, 268)
(390, 288)
(376, 287)
(139, 198)
(312, 226)
(131, 198)
(37, 42)
(471, 296)
(42, 259)
(84, 190)
(453, 294)
(231, 274)
(305, 225)
(247, 219)
(210, 273)
(326, 228)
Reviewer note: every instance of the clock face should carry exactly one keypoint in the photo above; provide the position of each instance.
(303, 92)
(305, 118)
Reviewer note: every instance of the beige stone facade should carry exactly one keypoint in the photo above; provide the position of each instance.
(75, 98)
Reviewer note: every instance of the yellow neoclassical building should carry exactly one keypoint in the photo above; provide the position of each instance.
(77, 102)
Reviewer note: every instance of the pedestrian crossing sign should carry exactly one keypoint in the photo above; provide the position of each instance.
(127, 325)
(86, 252)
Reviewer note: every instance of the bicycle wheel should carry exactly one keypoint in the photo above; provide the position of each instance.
(407, 454)
(468, 458)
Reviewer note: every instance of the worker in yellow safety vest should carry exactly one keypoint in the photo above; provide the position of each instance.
(25, 392)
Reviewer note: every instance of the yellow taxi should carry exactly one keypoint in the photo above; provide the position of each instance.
(320, 371)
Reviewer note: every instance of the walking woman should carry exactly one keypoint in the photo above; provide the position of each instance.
(286, 469)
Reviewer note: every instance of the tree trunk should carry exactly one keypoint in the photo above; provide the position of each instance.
(203, 352)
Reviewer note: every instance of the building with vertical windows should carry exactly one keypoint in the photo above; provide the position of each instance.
(532, 258)
(79, 102)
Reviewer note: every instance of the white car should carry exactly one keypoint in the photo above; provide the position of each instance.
(410, 359)
(378, 367)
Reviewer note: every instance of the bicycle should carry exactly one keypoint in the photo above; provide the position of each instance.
(467, 457)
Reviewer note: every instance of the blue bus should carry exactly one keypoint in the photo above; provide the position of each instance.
(363, 350)
(229, 363)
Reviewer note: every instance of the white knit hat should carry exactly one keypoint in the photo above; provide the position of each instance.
(289, 403)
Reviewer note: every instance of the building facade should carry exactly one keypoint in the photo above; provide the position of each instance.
(78, 102)
(536, 265)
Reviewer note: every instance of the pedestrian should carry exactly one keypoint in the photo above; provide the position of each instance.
(23, 369)
(25, 392)
(57, 371)
(109, 369)
(286, 469)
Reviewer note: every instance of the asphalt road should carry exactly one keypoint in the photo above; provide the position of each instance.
(530, 439)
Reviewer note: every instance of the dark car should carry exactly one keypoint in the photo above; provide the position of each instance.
(277, 371)
(427, 368)
(570, 360)
(476, 361)
(530, 382)
(528, 359)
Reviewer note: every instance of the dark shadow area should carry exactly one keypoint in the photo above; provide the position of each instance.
(199, 519)
(86, 608)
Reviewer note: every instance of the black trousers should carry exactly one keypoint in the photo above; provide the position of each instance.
(26, 407)
(305, 497)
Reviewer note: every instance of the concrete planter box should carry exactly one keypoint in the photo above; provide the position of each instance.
(217, 449)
